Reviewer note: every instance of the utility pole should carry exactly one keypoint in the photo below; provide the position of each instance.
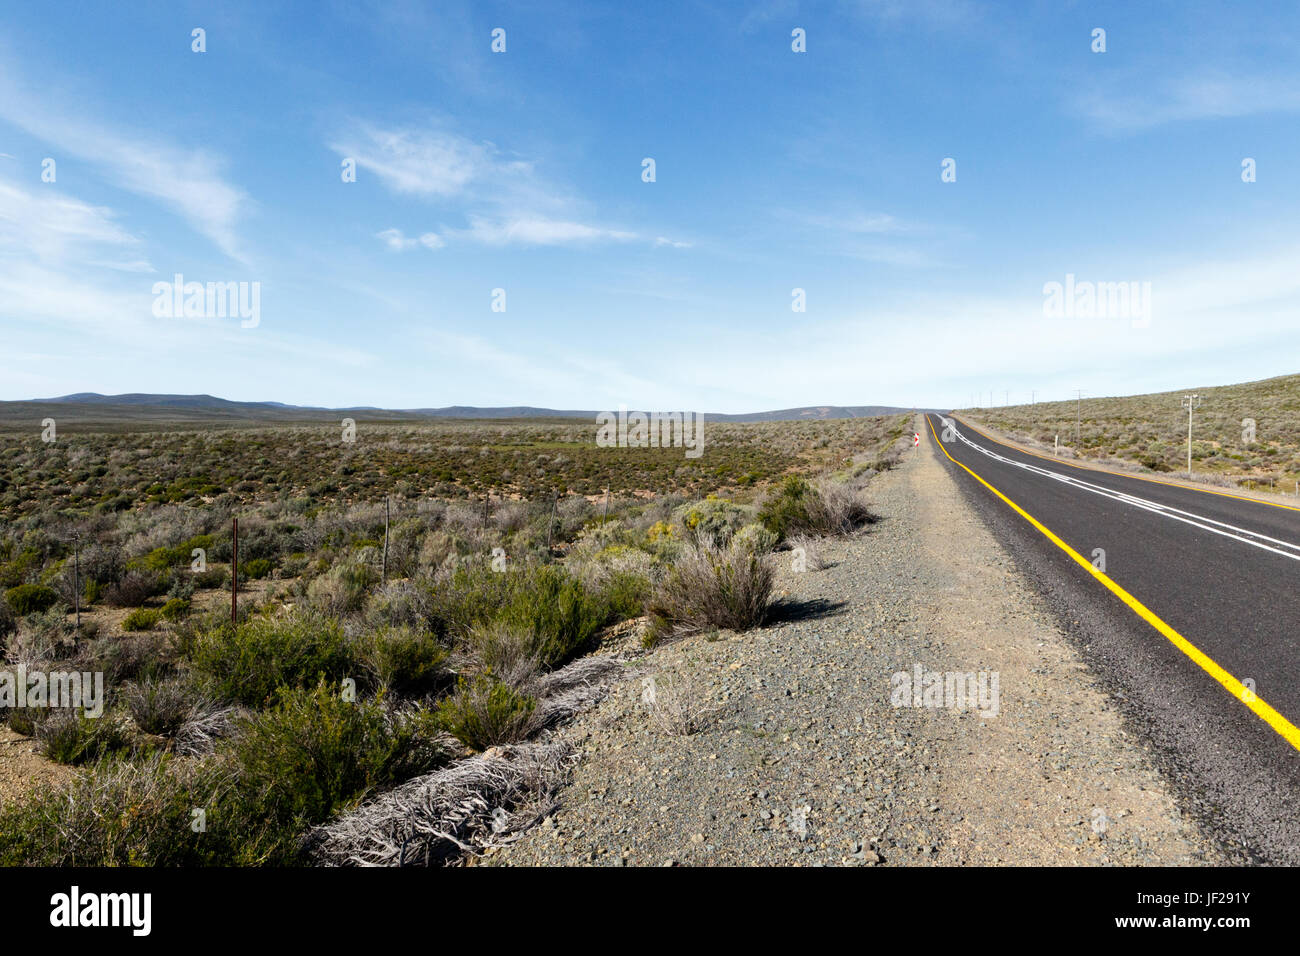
(1007, 397)
(605, 516)
(1078, 418)
(1033, 396)
(1190, 402)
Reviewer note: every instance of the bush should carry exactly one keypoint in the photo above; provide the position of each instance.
(255, 570)
(562, 616)
(70, 737)
(798, 507)
(508, 653)
(401, 659)
(711, 587)
(211, 578)
(314, 753)
(8, 624)
(342, 589)
(142, 619)
(176, 608)
(248, 663)
(712, 521)
(486, 712)
(31, 598)
(160, 707)
(123, 813)
(134, 589)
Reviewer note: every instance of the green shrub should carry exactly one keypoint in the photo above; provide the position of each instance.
(402, 659)
(625, 594)
(799, 507)
(786, 510)
(211, 578)
(561, 614)
(31, 598)
(484, 712)
(129, 813)
(175, 609)
(255, 570)
(250, 662)
(313, 754)
(70, 737)
(142, 619)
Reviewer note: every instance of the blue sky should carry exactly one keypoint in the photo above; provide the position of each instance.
(522, 171)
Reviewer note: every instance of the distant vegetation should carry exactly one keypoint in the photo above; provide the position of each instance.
(1150, 431)
(348, 672)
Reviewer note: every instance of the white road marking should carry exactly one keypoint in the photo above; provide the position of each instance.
(1177, 514)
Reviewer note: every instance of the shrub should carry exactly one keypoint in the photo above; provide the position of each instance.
(255, 570)
(70, 737)
(176, 608)
(248, 662)
(507, 652)
(342, 589)
(711, 587)
(401, 659)
(160, 707)
(485, 712)
(310, 756)
(126, 813)
(142, 619)
(560, 613)
(134, 589)
(713, 520)
(31, 598)
(211, 578)
(797, 507)
(8, 624)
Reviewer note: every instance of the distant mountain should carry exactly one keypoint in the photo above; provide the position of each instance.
(142, 408)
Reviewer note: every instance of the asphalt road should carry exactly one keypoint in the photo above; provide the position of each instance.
(1185, 603)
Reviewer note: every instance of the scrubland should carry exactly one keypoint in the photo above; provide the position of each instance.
(1150, 431)
(364, 661)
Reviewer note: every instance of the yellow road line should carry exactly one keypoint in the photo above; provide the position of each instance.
(1235, 687)
(1154, 481)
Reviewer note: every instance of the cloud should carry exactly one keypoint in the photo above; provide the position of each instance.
(1213, 95)
(53, 227)
(188, 181)
(504, 200)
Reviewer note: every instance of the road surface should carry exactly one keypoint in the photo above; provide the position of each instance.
(1185, 602)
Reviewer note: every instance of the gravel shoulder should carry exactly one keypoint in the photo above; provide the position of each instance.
(799, 757)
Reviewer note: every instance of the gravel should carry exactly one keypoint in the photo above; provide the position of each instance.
(781, 746)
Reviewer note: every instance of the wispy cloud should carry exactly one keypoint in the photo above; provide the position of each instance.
(1211, 95)
(190, 182)
(53, 227)
(503, 199)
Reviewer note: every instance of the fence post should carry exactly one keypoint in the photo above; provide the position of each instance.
(550, 525)
(383, 574)
(234, 573)
(76, 576)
